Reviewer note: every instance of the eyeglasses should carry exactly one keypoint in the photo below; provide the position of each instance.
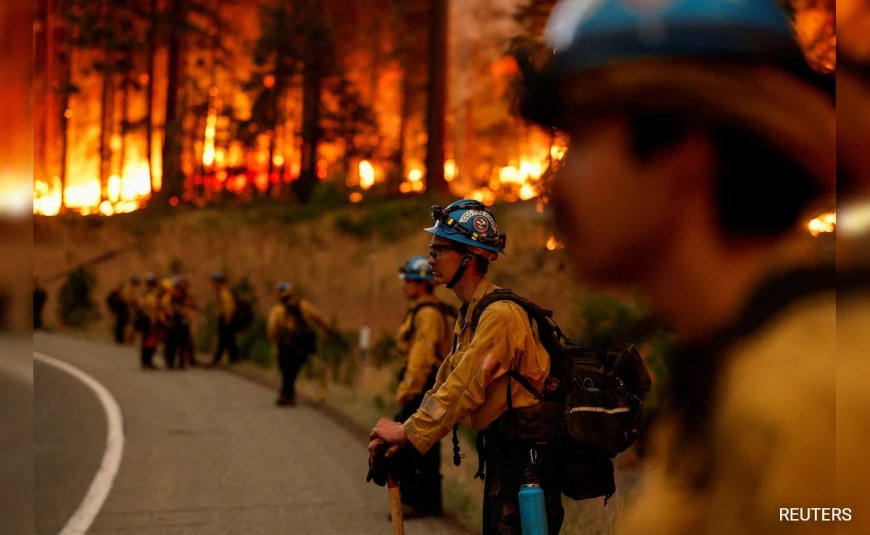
(437, 250)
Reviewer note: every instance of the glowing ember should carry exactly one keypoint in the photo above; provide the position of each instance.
(822, 224)
(366, 176)
(355, 197)
(553, 244)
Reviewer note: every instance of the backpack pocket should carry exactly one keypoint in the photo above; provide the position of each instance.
(598, 411)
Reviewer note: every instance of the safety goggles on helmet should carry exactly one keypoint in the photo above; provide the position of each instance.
(479, 231)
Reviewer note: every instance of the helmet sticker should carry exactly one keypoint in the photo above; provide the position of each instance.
(480, 224)
(469, 214)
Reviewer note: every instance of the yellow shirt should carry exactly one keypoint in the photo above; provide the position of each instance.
(423, 340)
(771, 444)
(226, 304)
(471, 385)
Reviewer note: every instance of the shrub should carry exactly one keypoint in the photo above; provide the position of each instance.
(75, 304)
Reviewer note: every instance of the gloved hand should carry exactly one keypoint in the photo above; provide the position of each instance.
(397, 465)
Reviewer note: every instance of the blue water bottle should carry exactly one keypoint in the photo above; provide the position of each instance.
(533, 513)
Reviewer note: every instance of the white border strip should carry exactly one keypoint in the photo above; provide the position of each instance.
(87, 511)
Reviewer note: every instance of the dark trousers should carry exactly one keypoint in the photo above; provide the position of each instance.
(120, 328)
(149, 346)
(179, 343)
(290, 361)
(506, 462)
(421, 486)
(226, 342)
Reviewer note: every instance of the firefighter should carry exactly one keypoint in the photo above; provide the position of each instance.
(472, 384)
(699, 138)
(226, 331)
(147, 321)
(130, 296)
(290, 328)
(179, 320)
(423, 341)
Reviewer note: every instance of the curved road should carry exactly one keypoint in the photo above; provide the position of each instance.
(205, 452)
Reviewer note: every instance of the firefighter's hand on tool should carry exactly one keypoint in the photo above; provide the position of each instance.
(390, 432)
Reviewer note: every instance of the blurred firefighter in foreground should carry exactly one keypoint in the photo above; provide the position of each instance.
(226, 328)
(423, 341)
(695, 152)
(290, 327)
(472, 385)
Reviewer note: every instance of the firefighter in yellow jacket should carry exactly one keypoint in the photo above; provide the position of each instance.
(472, 386)
(290, 327)
(148, 321)
(423, 341)
(695, 199)
(226, 331)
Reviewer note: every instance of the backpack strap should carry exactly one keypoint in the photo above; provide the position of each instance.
(549, 332)
(296, 311)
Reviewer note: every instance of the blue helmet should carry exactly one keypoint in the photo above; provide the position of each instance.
(590, 33)
(416, 269)
(468, 222)
(284, 289)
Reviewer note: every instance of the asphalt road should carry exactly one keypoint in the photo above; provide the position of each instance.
(205, 452)
(16, 435)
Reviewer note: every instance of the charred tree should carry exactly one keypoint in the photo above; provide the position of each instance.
(437, 100)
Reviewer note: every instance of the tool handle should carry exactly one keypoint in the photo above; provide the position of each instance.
(395, 506)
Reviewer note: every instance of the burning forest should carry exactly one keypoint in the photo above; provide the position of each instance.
(190, 101)
(174, 102)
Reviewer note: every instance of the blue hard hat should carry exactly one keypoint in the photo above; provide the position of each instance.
(416, 269)
(585, 34)
(284, 289)
(468, 222)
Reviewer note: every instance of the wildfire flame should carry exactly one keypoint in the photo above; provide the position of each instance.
(366, 175)
(823, 223)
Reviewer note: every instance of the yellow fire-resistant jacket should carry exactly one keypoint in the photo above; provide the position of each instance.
(226, 304)
(280, 321)
(471, 385)
(149, 304)
(772, 442)
(423, 341)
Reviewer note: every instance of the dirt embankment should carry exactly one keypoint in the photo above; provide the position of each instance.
(350, 278)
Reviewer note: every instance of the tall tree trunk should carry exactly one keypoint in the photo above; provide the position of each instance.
(437, 102)
(312, 83)
(172, 142)
(107, 99)
(149, 91)
(125, 120)
(66, 93)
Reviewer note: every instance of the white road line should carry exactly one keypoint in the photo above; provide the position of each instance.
(87, 511)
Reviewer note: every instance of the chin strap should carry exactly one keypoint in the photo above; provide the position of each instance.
(467, 259)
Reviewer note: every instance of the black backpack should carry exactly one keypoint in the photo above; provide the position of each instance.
(116, 303)
(302, 338)
(597, 395)
(243, 315)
